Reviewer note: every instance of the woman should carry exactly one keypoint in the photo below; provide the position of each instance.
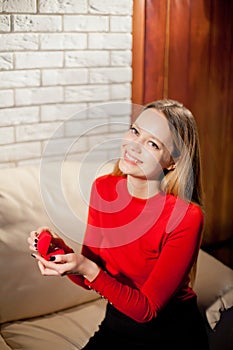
(143, 236)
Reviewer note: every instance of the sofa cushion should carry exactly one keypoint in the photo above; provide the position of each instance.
(64, 330)
(24, 292)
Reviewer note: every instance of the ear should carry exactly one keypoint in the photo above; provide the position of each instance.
(173, 163)
(171, 167)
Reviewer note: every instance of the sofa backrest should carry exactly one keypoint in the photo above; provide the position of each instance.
(24, 292)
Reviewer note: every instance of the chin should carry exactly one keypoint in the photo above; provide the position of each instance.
(129, 169)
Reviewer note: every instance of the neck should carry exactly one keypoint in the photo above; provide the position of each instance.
(142, 188)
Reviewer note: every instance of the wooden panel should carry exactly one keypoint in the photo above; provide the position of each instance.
(179, 51)
(219, 119)
(155, 49)
(138, 51)
(189, 57)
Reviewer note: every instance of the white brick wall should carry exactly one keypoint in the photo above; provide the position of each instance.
(62, 64)
(18, 6)
(5, 23)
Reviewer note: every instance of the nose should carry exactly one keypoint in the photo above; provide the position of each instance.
(135, 147)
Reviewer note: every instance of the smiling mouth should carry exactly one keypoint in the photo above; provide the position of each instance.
(131, 159)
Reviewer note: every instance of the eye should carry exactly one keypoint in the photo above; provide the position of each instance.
(153, 144)
(134, 130)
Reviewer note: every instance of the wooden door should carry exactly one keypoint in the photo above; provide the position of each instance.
(187, 54)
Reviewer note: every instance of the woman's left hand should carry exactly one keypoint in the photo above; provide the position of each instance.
(68, 264)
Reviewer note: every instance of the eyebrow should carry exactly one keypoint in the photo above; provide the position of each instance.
(151, 135)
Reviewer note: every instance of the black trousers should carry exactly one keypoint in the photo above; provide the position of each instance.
(179, 326)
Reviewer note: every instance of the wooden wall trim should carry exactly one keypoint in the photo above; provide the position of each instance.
(138, 51)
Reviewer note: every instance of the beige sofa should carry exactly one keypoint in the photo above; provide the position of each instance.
(40, 313)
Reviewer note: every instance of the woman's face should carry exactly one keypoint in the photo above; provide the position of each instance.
(147, 147)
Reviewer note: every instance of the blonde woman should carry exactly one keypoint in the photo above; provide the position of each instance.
(143, 236)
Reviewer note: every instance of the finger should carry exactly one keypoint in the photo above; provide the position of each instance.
(53, 269)
(33, 234)
(59, 259)
(35, 255)
(45, 271)
(33, 249)
(63, 258)
(47, 265)
(32, 243)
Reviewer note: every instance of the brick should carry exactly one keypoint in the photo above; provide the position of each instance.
(64, 76)
(86, 127)
(86, 93)
(38, 59)
(6, 98)
(111, 109)
(16, 116)
(114, 7)
(38, 95)
(77, 157)
(100, 142)
(121, 58)
(110, 75)
(18, 6)
(37, 23)
(106, 142)
(121, 24)
(19, 78)
(6, 135)
(100, 156)
(63, 41)
(64, 6)
(110, 41)
(11, 153)
(5, 23)
(63, 111)
(6, 61)
(40, 131)
(97, 111)
(80, 144)
(119, 124)
(64, 147)
(86, 58)
(120, 91)
(86, 23)
(20, 115)
(16, 42)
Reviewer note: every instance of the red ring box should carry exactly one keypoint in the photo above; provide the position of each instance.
(45, 246)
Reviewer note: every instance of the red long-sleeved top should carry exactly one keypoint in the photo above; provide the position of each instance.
(145, 247)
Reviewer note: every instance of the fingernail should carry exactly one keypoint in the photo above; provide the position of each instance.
(35, 240)
(52, 258)
(33, 255)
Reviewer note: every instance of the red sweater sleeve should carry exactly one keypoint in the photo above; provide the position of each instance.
(178, 254)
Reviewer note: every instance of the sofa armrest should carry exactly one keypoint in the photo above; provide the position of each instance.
(213, 280)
